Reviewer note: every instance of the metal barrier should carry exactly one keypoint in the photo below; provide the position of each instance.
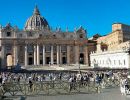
(55, 87)
(111, 82)
(50, 88)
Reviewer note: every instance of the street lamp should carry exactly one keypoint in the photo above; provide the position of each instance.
(79, 65)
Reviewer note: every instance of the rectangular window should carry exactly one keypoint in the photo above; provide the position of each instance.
(114, 62)
(119, 62)
(30, 34)
(54, 48)
(63, 48)
(8, 47)
(48, 48)
(40, 49)
(30, 48)
(124, 62)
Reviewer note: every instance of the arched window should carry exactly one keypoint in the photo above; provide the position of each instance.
(81, 35)
(8, 34)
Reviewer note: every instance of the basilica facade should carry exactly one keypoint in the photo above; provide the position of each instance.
(38, 44)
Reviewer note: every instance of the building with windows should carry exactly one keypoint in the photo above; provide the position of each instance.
(38, 44)
(111, 59)
(113, 50)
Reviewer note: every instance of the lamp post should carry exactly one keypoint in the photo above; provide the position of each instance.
(79, 65)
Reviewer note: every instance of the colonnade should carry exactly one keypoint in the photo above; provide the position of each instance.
(57, 55)
(36, 53)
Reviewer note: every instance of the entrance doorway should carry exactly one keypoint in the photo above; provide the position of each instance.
(81, 58)
(64, 60)
(48, 60)
(41, 61)
(30, 61)
(9, 60)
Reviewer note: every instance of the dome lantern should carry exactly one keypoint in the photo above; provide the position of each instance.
(36, 11)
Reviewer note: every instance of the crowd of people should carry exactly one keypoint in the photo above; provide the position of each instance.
(74, 76)
(96, 77)
(125, 85)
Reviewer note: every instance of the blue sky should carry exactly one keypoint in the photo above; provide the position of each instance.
(96, 16)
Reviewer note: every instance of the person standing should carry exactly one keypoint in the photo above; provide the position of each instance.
(0, 79)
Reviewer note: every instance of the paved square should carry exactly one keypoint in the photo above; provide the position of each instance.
(107, 94)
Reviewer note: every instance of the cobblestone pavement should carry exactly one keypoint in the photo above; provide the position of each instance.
(107, 94)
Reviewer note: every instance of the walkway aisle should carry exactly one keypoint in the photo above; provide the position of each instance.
(108, 94)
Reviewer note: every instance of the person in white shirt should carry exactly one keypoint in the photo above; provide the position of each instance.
(122, 86)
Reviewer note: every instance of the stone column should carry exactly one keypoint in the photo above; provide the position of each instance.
(2, 54)
(26, 56)
(60, 55)
(57, 54)
(15, 54)
(68, 54)
(128, 61)
(76, 57)
(35, 57)
(86, 57)
(38, 57)
(52, 60)
(43, 54)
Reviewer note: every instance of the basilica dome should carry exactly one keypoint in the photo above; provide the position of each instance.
(36, 21)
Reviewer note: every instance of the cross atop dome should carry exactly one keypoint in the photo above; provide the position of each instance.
(36, 11)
